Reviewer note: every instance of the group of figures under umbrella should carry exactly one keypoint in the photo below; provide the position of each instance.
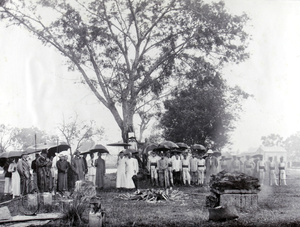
(24, 174)
(165, 165)
(173, 164)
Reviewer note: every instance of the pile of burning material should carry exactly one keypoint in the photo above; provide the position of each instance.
(154, 195)
(233, 181)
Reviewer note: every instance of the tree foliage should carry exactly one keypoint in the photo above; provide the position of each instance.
(272, 140)
(128, 51)
(292, 145)
(203, 111)
(20, 138)
(7, 137)
(76, 133)
(26, 137)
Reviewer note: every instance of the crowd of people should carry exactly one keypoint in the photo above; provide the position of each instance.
(268, 172)
(55, 176)
(167, 169)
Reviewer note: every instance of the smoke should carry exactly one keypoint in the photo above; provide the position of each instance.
(265, 192)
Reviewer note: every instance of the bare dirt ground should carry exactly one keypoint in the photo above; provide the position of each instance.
(277, 206)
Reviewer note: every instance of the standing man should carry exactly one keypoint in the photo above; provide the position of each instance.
(7, 177)
(186, 167)
(24, 171)
(176, 168)
(211, 165)
(152, 166)
(272, 173)
(62, 175)
(170, 169)
(162, 166)
(249, 166)
(86, 169)
(131, 169)
(282, 173)
(100, 171)
(79, 165)
(194, 169)
(121, 176)
(261, 169)
(235, 164)
(201, 169)
(44, 176)
(91, 169)
(223, 164)
(34, 171)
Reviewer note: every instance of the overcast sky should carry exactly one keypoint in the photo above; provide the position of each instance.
(37, 90)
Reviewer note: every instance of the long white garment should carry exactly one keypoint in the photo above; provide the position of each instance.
(261, 168)
(272, 174)
(91, 170)
(176, 164)
(186, 171)
(15, 180)
(282, 173)
(201, 169)
(131, 169)
(121, 176)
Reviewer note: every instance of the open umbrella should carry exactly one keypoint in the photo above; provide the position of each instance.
(198, 147)
(119, 144)
(182, 146)
(216, 154)
(169, 144)
(149, 147)
(59, 147)
(161, 147)
(97, 148)
(127, 151)
(12, 154)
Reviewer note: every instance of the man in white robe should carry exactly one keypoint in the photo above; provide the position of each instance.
(91, 169)
(282, 173)
(131, 169)
(121, 168)
(186, 177)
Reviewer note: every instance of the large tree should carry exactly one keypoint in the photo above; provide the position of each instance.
(127, 51)
(203, 111)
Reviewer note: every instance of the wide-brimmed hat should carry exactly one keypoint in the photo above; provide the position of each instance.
(209, 152)
(76, 152)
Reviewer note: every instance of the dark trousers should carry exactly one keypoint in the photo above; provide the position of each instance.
(176, 177)
(24, 185)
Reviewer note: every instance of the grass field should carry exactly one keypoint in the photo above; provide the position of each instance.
(277, 206)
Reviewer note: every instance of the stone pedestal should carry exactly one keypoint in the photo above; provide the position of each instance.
(46, 198)
(32, 200)
(241, 199)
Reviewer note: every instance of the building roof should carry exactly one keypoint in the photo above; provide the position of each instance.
(271, 149)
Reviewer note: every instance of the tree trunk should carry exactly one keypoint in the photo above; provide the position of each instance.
(126, 125)
(128, 112)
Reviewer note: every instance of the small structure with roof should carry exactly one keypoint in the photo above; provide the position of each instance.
(275, 152)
